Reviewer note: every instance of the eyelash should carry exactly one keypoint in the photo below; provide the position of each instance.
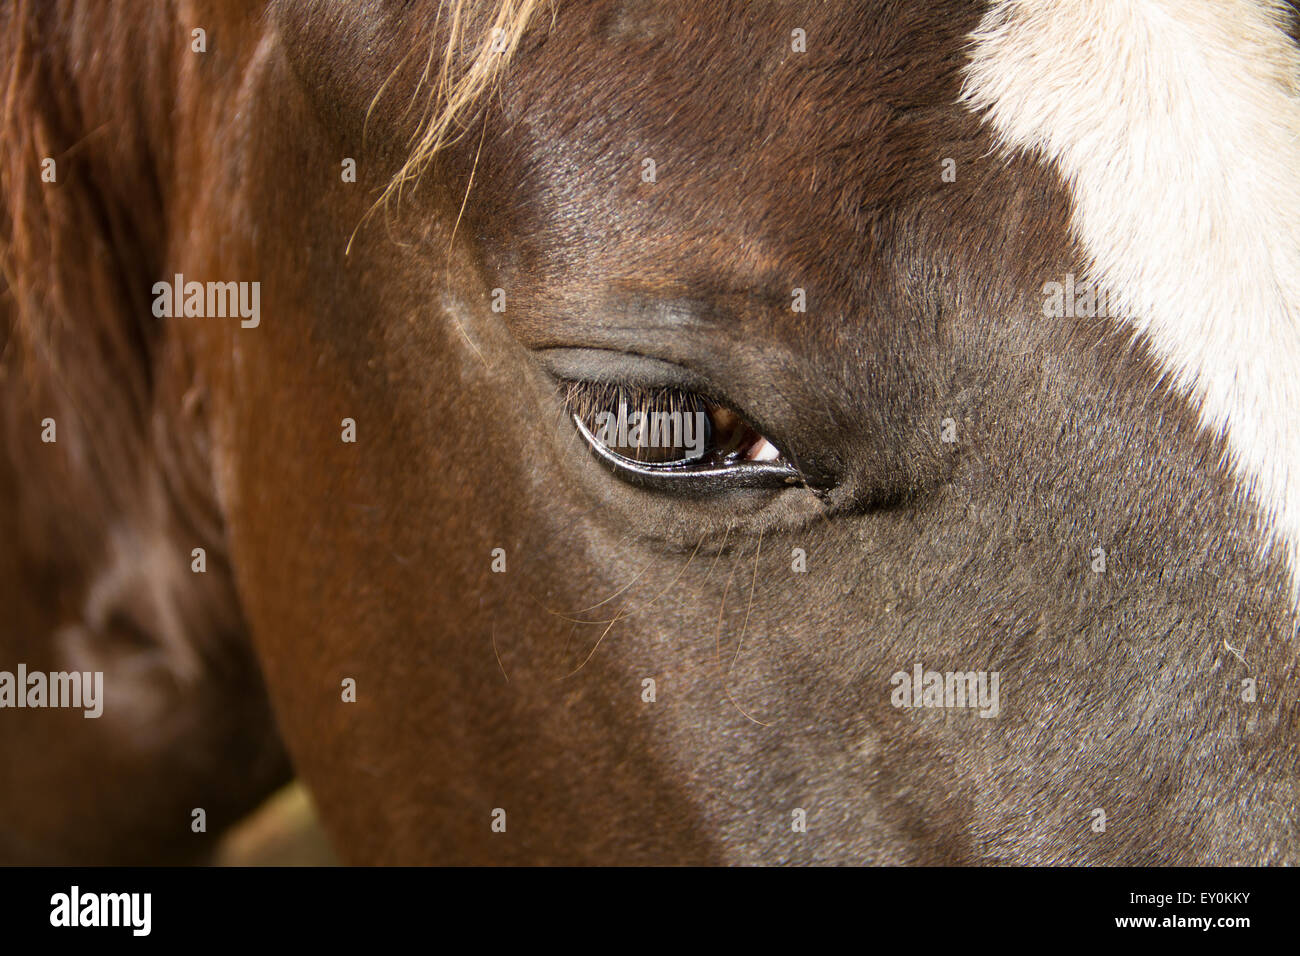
(626, 426)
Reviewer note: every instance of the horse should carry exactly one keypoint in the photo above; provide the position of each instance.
(983, 318)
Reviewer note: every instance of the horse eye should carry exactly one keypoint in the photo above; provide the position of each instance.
(656, 435)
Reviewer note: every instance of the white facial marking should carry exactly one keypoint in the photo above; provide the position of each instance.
(1176, 124)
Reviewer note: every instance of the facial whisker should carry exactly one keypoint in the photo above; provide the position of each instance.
(752, 585)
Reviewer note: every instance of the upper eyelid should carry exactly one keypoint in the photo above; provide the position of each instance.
(571, 365)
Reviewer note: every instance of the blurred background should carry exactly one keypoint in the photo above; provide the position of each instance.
(283, 831)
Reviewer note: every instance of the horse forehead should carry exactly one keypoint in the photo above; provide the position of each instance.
(772, 128)
(740, 77)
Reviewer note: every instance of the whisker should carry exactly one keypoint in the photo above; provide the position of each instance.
(576, 620)
(651, 602)
(717, 635)
(465, 335)
(498, 654)
(564, 651)
(617, 617)
(592, 653)
(722, 547)
(564, 614)
(752, 585)
(748, 716)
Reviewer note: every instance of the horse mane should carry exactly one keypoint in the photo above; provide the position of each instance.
(78, 254)
(96, 526)
(79, 343)
(482, 36)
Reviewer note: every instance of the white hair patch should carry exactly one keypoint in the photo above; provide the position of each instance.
(1176, 126)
